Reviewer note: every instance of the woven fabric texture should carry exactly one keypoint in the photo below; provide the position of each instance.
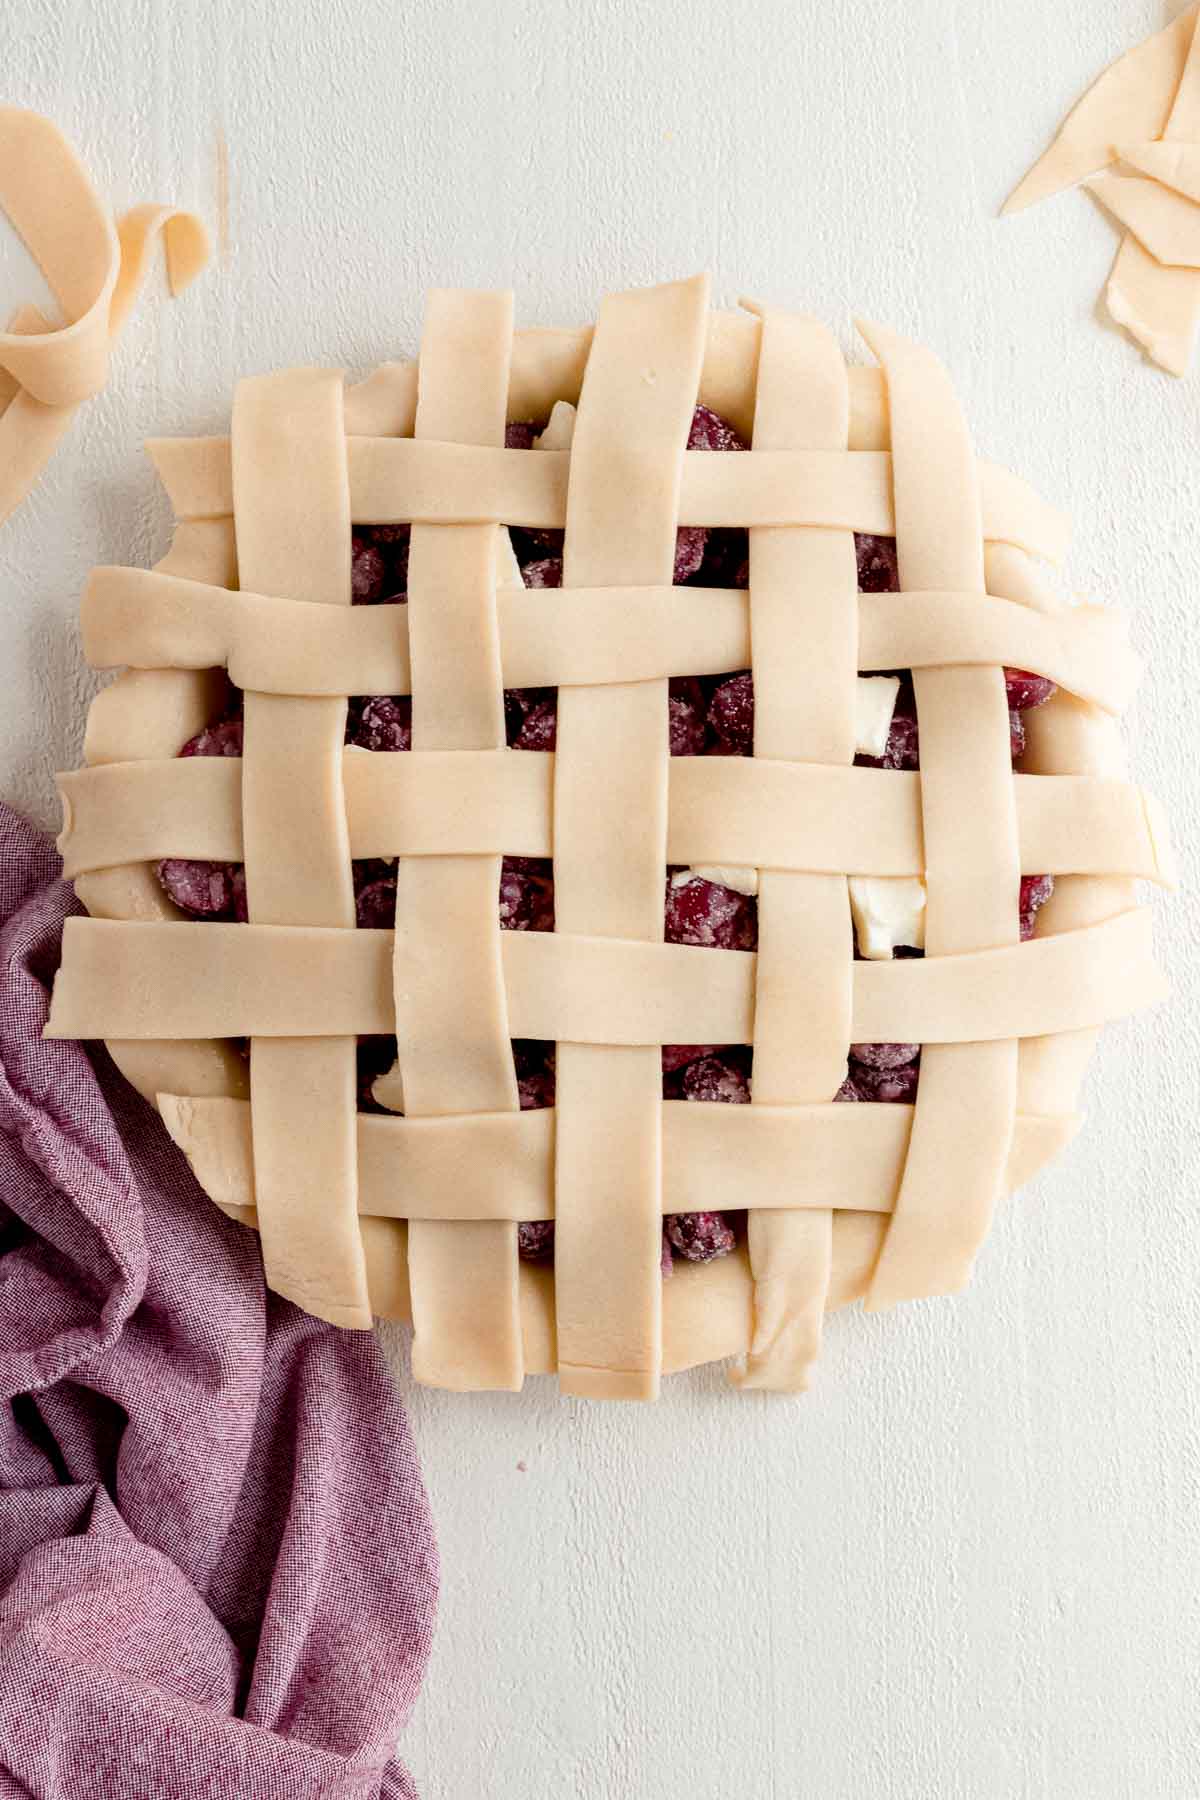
(217, 1567)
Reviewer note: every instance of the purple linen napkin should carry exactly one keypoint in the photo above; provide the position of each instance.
(218, 1574)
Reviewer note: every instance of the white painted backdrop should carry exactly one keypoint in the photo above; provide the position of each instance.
(966, 1564)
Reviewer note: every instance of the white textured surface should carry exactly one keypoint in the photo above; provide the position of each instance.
(965, 1566)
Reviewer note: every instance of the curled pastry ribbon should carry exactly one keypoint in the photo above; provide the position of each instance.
(94, 268)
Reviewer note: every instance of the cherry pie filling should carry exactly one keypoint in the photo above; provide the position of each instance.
(708, 716)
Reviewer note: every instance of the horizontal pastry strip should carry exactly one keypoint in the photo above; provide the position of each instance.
(575, 636)
(757, 813)
(399, 480)
(171, 979)
(501, 1165)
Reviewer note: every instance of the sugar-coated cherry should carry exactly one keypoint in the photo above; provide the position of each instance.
(710, 915)
(878, 565)
(1035, 891)
(731, 714)
(526, 894)
(1026, 690)
(700, 1236)
(381, 722)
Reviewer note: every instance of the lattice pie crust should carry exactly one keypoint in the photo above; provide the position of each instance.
(415, 1216)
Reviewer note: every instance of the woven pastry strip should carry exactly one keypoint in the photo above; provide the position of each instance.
(452, 1034)
(215, 980)
(967, 1094)
(394, 479)
(292, 515)
(610, 840)
(498, 1165)
(842, 1199)
(803, 629)
(577, 636)
(766, 815)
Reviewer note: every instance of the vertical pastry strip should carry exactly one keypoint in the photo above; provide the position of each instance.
(292, 519)
(966, 1101)
(452, 1036)
(610, 838)
(804, 635)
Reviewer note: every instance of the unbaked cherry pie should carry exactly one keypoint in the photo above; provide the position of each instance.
(598, 701)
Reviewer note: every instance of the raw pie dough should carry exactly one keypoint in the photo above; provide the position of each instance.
(1144, 113)
(415, 1216)
(93, 266)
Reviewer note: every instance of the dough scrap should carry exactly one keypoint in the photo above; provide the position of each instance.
(95, 269)
(1144, 110)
